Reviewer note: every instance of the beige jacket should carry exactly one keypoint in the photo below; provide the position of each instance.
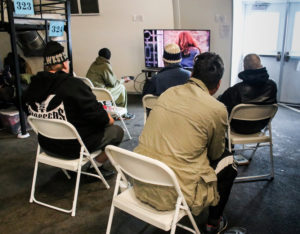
(185, 130)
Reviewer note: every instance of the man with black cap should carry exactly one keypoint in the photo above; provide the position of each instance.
(55, 94)
(171, 75)
(102, 76)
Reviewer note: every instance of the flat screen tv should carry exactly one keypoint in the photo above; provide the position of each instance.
(191, 43)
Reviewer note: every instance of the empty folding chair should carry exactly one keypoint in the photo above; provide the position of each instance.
(149, 102)
(104, 95)
(60, 129)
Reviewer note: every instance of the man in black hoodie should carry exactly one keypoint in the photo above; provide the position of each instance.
(55, 94)
(255, 88)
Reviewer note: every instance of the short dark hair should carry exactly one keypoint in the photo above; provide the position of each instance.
(105, 53)
(252, 62)
(209, 68)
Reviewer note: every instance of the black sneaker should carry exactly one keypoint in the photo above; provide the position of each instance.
(210, 229)
(105, 172)
(241, 160)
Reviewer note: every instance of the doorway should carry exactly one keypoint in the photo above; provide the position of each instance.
(270, 29)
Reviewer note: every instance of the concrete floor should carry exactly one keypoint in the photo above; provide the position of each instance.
(261, 207)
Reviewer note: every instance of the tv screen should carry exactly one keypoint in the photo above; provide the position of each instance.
(191, 43)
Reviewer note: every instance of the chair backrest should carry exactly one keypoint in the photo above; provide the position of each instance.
(87, 81)
(55, 129)
(102, 94)
(142, 168)
(149, 102)
(252, 112)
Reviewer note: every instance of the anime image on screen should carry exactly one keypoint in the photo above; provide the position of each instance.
(190, 42)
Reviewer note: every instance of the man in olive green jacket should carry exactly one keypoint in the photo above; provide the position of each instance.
(186, 130)
(102, 76)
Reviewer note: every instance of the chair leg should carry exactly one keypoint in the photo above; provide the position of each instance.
(271, 160)
(174, 222)
(125, 127)
(193, 222)
(110, 219)
(66, 173)
(76, 191)
(253, 152)
(100, 174)
(268, 176)
(33, 181)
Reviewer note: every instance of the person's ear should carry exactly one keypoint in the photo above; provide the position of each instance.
(218, 85)
(66, 66)
(213, 91)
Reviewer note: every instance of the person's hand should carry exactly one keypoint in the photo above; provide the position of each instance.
(111, 120)
(126, 79)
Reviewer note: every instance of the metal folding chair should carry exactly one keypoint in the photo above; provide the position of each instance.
(251, 112)
(146, 170)
(104, 95)
(60, 129)
(149, 102)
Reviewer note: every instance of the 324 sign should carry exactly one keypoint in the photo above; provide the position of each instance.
(24, 7)
(56, 28)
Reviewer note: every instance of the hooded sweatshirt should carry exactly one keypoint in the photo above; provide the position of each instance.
(255, 88)
(61, 96)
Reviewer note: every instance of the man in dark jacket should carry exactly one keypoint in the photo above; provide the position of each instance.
(55, 94)
(255, 88)
(171, 75)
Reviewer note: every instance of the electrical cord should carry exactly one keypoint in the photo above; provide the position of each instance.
(139, 82)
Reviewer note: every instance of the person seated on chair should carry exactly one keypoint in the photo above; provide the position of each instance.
(102, 76)
(171, 75)
(255, 88)
(8, 77)
(186, 130)
(53, 94)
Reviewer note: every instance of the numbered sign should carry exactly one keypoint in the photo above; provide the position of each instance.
(24, 7)
(56, 28)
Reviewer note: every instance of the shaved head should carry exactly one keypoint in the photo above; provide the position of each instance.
(252, 61)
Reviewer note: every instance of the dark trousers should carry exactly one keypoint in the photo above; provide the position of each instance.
(226, 171)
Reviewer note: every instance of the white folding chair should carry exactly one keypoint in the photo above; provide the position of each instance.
(87, 81)
(59, 129)
(251, 112)
(104, 95)
(150, 171)
(149, 102)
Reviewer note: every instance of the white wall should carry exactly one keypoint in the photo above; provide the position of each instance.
(215, 15)
(115, 29)
(237, 43)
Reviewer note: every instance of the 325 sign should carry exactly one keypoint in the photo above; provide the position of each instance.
(56, 28)
(24, 7)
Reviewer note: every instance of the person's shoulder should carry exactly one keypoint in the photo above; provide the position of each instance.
(272, 82)
(235, 87)
(218, 108)
(184, 71)
(73, 80)
(73, 85)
